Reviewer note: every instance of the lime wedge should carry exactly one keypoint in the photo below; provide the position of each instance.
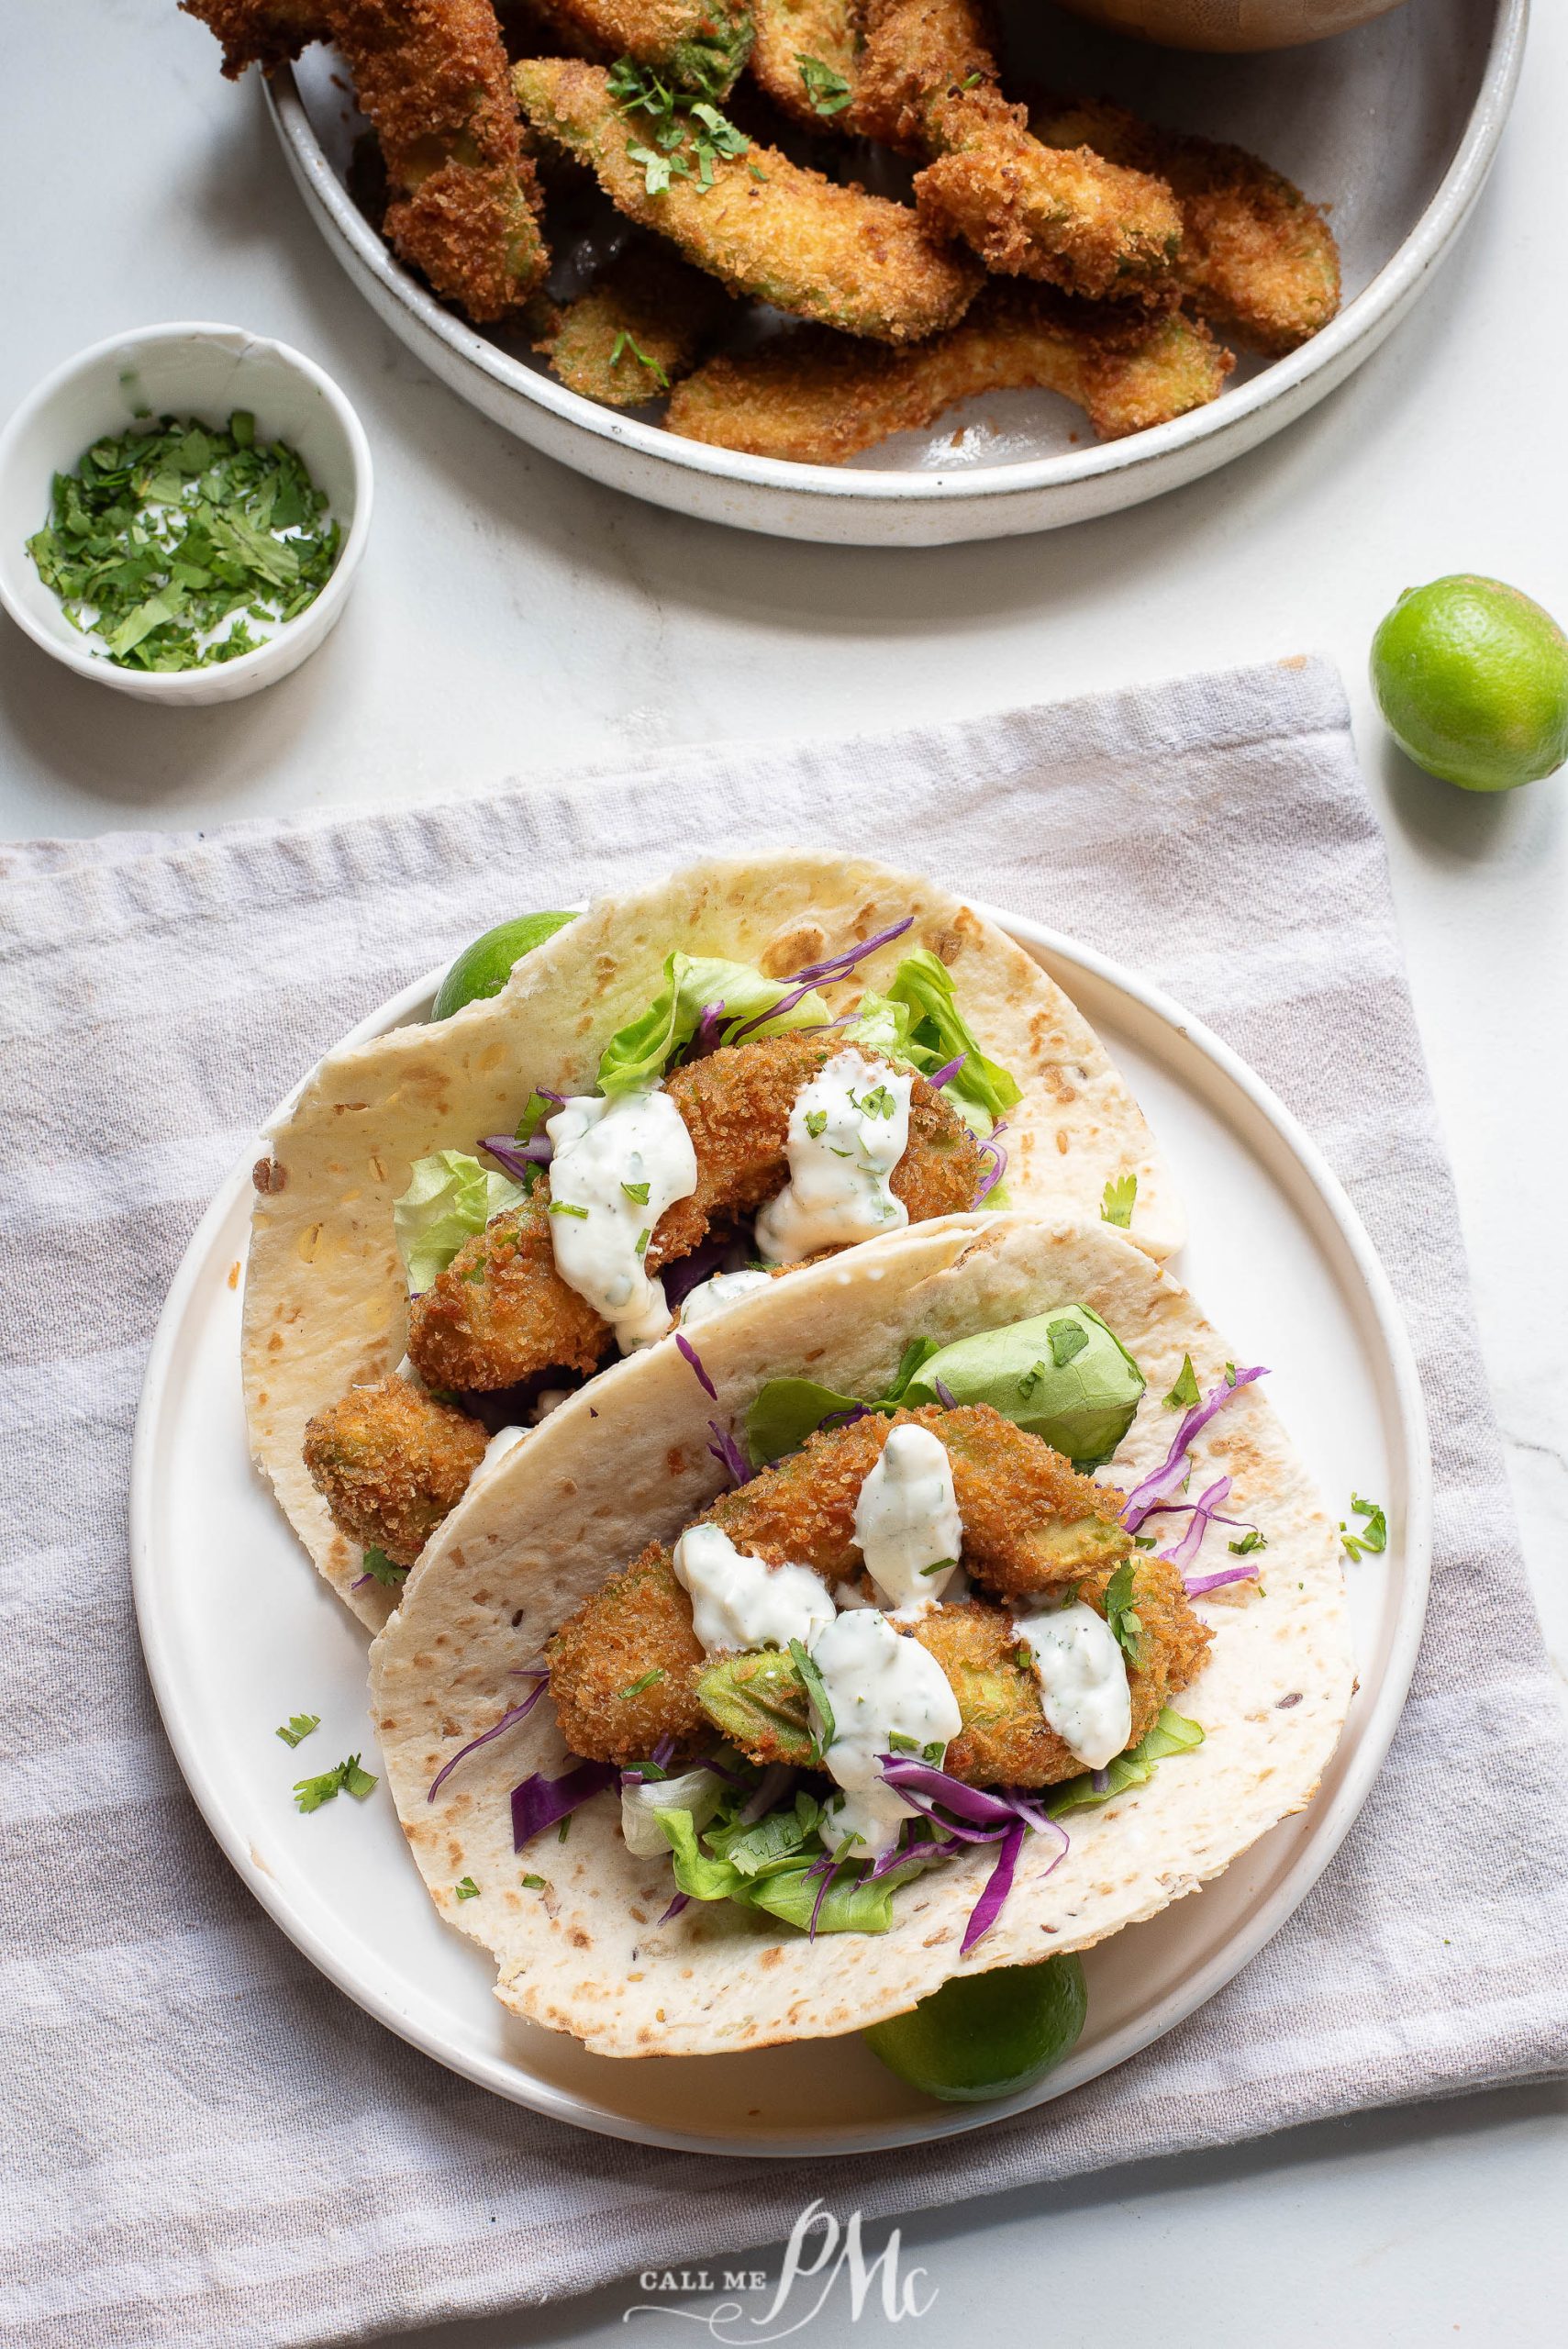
(484, 968)
(986, 2034)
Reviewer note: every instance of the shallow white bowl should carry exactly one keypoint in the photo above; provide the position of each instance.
(180, 370)
(1396, 124)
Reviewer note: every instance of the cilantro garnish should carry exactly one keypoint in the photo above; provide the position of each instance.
(636, 1687)
(637, 1192)
(1184, 1393)
(346, 1777)
(466, 1889)
(818, 1692)
(299, 1727)
(476, 1270)
(1065, 1339)
(1143, 1541)
(534, 1884)
(877, 1104)
(1121, 1618)
(565, 1829)
(380, 1565)
(939, 1566)
(1031, 1380)
(816, 1123)
(1371, 1539)
(536, 1109)
(1230, 1374)
(565, 1207)
(828, 92)
(165, 533)
(642, 1240)
(627, 340)
(1116, 1201)
(971, 80)
(1250, 1540)
(685, 136)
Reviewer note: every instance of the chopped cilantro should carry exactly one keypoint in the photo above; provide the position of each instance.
(466, 1889)
(1230, 1374)
(534, 1884)
(380, 1565)
(636, 1687)
(1371, 1539)
(168, 540)
(1065, 1339)
(940, 1566)
(637, 1192)
(536, 1109)
(1031, 1379)
(299, 1727)
(817, 1123)
(1143, 1541)
(1121, 1619)
(476, 1270)
(1184, 1393)
(877, 1104)
(642, 1240)
(688, 135)
(828, 92)
(565, 1829)
(1250, 1542)
(1116, 1201)
(971, 80)
(565, 1207)
(627, 340)
(346, 1777)
(818, 1692)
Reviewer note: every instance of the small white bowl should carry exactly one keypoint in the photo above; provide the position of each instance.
(203, 371)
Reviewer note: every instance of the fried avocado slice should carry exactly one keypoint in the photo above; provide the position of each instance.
(807, 58)
(817, 399)
(761, 225)
(640, 328)
(928, 85)
(697, 44)
(758, 1702)
(1030, 1522)
(622, 1669)
(431, 76)
(736, 1105)
(500, 1312)
(1257, 257)
(391, 1463)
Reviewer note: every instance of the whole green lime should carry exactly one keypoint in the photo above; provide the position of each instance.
(1473, 679)
(484, 968)
(986, 2034)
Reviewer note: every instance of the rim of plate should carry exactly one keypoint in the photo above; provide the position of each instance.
(1378, 302)
(1332, 1823)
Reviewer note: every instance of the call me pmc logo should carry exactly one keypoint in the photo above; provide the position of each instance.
(818, 2253)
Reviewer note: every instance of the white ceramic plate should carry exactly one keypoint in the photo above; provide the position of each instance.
(1394, 124)
(239, 1632)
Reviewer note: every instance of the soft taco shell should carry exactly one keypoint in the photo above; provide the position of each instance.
(325, 1299)
(600, 1479)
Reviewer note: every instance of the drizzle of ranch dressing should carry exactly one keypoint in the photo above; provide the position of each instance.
(505, 1440)
(878, 1683)
(598, 1147)
(740, 1602)
(1084, 1692)
(907, 1520)
(712, 1296)
(841, 1157)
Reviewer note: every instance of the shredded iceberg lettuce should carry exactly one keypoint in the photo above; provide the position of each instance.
(450, 1197)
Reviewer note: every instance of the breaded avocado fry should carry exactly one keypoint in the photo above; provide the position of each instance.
(622, 1669)
(818, 399)
(1257, 257)
(391, 1461)
(696, 44)
(805, 56)
(928, 85)
(640, 326)
(431, 77)
(760, 224)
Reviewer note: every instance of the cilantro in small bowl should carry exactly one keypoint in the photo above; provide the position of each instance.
(181, 512)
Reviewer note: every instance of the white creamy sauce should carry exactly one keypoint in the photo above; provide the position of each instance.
(878, 1684)
(1084, 1691)
(712, 1296)
(907, 1520)
(739, 1602)
(505, 1440)
(841, 1154)
(616, 1166)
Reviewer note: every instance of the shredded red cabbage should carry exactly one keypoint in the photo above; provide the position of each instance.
(728, 1454)
(948, 1069)
(945, 1395)
(824, 1867)
(998, 1884)
(998, 1167)
(682, 1901)
(706, 1037)
(513, 1714)
(681, 1277)
(539, 1802)
(828, 973)
(970, 1814)
(771, 1787)
(515, 1158)
(1212, 1582)
(694, 1359)
(1191, 1542)
(1169, 1477)
(1099, 1780)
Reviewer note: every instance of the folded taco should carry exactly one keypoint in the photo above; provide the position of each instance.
(673, 1099)
(946, 1607)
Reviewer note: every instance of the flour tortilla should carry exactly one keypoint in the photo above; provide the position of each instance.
(587, 1956)
(325, 1306)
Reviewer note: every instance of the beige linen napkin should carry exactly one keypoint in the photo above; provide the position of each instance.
(208, 2144)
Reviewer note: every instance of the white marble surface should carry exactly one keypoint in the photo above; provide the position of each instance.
(511, 619)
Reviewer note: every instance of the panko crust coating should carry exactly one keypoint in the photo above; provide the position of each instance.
(640, 326)
(500, 1312)
(431, 76)
(391, 1463)
(787, 31)
(765, 226)
(638, 1624)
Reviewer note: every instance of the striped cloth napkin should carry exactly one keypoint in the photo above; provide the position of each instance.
(205, 2142)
